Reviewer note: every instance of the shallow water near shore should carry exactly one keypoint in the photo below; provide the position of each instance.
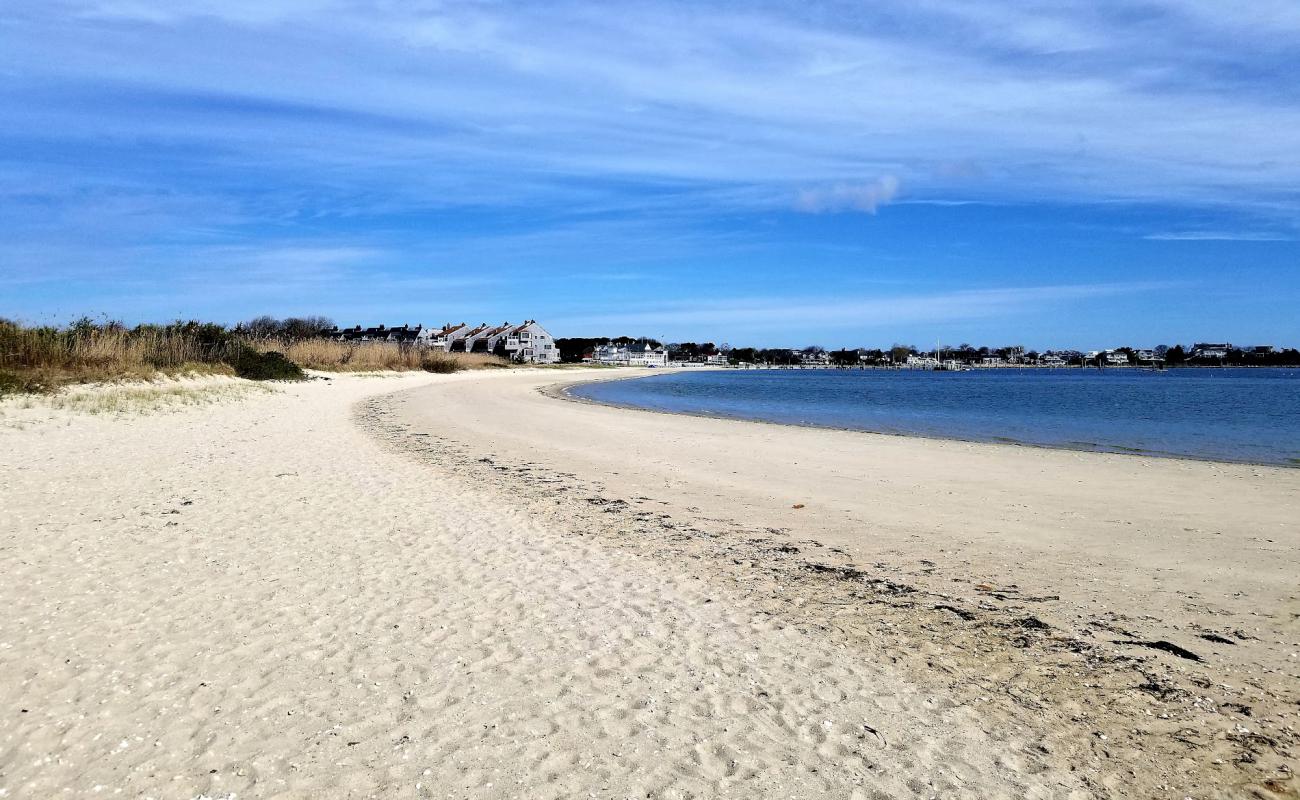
(1244, 415)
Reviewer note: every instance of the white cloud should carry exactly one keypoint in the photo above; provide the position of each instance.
(867, 197)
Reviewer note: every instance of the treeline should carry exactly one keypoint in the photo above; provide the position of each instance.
(1235, 357)
(573, 350)
(43, 358)
(294, 328)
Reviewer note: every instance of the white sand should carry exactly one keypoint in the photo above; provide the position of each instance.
(264, 598)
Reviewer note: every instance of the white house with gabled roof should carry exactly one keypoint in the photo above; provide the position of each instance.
(633, 355)
(529, 343)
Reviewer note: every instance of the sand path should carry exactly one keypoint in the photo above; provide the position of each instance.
(258, 599)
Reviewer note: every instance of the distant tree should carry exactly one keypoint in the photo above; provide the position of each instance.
(743, 355)
(261, 327)
(687, 351)
(572, 350)
(845, 358)
(1176, 355)
(305, 327)
(899, 352)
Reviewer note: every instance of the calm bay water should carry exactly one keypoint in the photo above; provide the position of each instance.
(1248, 415)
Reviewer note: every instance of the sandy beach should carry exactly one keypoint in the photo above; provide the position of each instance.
(469, 586)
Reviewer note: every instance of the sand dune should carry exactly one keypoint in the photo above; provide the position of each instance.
(392, 588)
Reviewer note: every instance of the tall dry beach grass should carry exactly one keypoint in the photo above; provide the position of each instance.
(36, 359)
(45, 358)
(332, 356)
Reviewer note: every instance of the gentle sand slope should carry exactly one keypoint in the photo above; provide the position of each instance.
(1063, 593)
(259, 599)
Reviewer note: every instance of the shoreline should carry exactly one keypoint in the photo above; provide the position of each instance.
(562, 391)
(1012, 558)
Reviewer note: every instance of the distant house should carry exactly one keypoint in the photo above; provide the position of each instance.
(449, 334)
(1114, 358)
(921, 362)
(484, 338)
(1051, 360)
(403, 335)
(530, 342)
(634, 355)
(1146, 355)
(464, 342)
(1210, 350)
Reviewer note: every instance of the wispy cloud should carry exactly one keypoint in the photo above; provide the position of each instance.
(1220, 236)
(772, 98)
(868, 196)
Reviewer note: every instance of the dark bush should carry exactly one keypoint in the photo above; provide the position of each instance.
(11, 384)
(271, 366)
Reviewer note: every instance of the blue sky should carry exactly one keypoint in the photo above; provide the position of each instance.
(774, 173)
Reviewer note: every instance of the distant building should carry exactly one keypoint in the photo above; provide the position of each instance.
(634, 355)
(449, 334)
(1115, 358)
(403, 335)
(529, 342)
(1146, 355)
(1210, 350)
(1051, 360)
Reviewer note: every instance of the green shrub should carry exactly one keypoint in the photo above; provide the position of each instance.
(11, 384)
(269, 366)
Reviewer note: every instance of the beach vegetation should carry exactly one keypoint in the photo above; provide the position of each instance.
(133, 398)
(11, 384)
(45, 358)
(269, 365)
(330, 355)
